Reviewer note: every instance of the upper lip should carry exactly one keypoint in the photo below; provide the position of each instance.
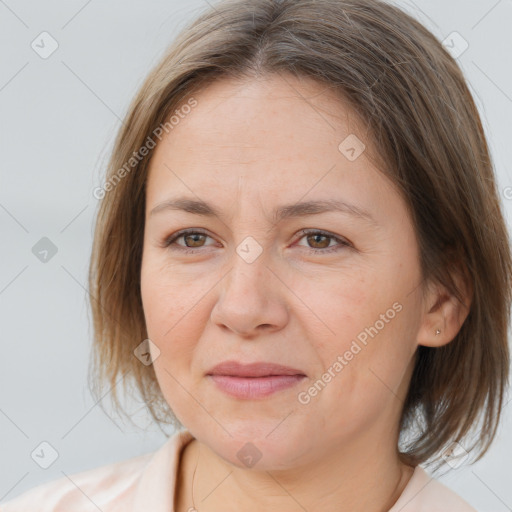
(259, 369)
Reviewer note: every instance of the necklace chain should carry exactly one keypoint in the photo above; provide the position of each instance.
(197, 463)
(193, 478)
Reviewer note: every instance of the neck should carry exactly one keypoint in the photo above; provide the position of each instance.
(360, 478)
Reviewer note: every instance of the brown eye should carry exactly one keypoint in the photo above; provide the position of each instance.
(317, 242)
(194, 240)
(320, 241)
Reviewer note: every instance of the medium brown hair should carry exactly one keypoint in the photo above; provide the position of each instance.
(413, 98)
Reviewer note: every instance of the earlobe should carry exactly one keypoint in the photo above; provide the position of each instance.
(443, 317)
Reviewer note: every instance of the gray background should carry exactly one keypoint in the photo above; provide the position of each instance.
(59, 117)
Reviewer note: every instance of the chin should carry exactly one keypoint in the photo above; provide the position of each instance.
(258, 446)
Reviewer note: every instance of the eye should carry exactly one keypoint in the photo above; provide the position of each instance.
(194, 239)
(321, 241)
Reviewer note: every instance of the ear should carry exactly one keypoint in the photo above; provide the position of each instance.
(444, 312)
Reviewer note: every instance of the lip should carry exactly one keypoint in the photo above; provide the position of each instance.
(250, 388)
(254, 380)
(258, 369)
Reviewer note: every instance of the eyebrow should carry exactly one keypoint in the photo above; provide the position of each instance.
(200, 207)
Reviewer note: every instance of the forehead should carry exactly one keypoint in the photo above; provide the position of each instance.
(264, 138)
(270, 114)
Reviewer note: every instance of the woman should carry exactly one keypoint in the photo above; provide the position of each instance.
(301, 260)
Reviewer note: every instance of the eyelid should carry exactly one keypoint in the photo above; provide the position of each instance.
(173, 237)
(342, 242)
(310, 231)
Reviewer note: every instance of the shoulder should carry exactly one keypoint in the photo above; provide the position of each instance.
(109, 488)
(82, 492)
(424, 493)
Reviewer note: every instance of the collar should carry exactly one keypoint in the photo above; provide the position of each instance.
(157, 484)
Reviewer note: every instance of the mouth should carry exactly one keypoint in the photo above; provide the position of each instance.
(255, 380)
(255, 387)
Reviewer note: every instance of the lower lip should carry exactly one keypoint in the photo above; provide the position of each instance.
(255, 387)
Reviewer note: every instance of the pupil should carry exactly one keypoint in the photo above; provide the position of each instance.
(315, 237)
(195, 237)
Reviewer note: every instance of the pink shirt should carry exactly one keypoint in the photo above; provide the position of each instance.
(147, 484)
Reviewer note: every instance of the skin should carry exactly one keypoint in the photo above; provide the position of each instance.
(248, 147)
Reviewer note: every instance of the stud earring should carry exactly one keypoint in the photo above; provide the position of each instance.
(438, 332)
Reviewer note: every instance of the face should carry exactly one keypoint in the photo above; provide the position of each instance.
(332, 294)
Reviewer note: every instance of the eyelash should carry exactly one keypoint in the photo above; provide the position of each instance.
(170, 241)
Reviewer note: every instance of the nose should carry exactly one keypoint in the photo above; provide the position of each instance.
(252, 300)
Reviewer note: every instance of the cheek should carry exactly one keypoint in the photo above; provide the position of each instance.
(169, 297)
(173, 326)
(339, 307)
(370, 338)
(171, 314)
